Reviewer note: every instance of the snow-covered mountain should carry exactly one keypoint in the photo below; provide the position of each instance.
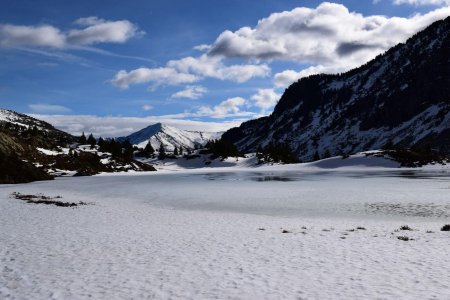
(170, 137)
(401, 98)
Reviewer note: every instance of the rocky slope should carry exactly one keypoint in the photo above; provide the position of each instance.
(32, 149)
(400, 99)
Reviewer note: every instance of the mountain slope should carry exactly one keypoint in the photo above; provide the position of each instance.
(400, 98)
(21, 122)
(170, 137)
(31, 149)
(20, 137)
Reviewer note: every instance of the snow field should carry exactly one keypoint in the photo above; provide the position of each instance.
(156, 242)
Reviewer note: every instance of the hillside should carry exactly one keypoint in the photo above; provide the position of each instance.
(401, 99)
(31, 149)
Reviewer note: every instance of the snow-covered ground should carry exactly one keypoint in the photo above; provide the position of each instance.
(218, 234)
(366, 160)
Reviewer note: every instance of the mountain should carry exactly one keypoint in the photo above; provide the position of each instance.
(400, 99)
(31, 149)
(20, 122)
(170, 137)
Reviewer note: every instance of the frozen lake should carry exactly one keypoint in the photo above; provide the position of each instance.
(225, 234)
(375, 194)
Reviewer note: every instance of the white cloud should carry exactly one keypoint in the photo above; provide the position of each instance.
(227, 108)
(189, 70)
(190, 92)
(93, 31)
(328, 37)
(113, 126)
(158, 76)
(213, 67)
(88, 21)
(422, 2)
(102, 31)
(265, 99)
(48, 108)
(23, 36)
(202, 47)
(287, 77)
(147, 107)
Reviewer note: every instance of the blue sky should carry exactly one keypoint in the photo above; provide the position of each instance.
(200, 65)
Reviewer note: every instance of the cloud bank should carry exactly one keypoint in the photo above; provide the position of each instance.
(112, 126)
(328, 38)
(92, 30)
(189, 70)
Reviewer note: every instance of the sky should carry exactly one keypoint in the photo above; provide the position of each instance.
(114, 67)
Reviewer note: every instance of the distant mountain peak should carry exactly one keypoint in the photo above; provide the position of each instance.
(170, 137)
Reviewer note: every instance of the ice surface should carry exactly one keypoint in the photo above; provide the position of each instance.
(218, 234)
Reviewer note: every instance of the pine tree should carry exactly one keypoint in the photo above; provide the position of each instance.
(175, 151)
(149, 149)
(114, 148)
(316, 156)
(162, 152)
(127, 150)
(101, 143)
(82, 140)
(181, 150)
(91, 141)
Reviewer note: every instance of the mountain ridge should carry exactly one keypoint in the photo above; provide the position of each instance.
(402, 97)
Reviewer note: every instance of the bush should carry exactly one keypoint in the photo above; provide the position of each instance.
(405, 227)
(446, 227)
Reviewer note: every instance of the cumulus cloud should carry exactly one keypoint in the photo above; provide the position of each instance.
(422, 2)
(265, 99)
(189, 70)
(207, 66)
(24, 36)
(102, 31)
(227, 108)
(48, 108)
(328, 37)
(191, 92)
(113, 126)
(157, 76)
(92, 31)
